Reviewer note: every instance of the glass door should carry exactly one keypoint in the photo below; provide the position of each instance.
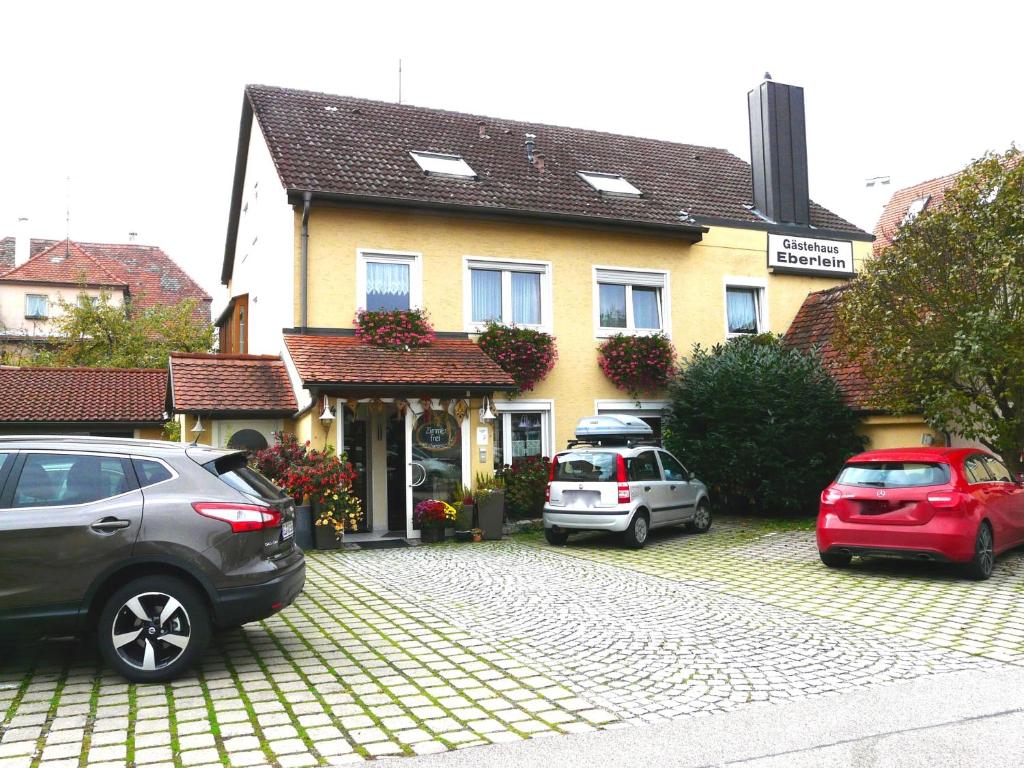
(435, 463)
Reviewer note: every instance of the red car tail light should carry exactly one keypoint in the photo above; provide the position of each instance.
(830, 496)
(241, 517)
(621, 479)
(944, 499)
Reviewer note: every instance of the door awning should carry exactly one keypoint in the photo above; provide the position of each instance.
(343, 362)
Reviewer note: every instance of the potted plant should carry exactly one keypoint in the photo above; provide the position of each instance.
(477, 534)
(526, 354)
(284, 464)
(431, 516)
(638, 364)
(394, 329)
(490, 498)
(464, 511)
(337, 513)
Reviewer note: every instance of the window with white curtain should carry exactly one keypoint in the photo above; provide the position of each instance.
(743, 310)
(630, 301)
(36, 305)
(388, 281)
(522, 432)
(512, 293)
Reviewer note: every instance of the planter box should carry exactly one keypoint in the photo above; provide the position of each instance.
(491, 509)
(304, 527)
(463, 536)
(326, 538)
(430, 534)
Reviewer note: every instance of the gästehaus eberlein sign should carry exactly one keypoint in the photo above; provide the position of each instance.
(810, 255)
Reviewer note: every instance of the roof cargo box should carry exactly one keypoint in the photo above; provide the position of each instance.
(612, 428)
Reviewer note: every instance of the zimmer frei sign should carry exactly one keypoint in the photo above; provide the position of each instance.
(810, 255)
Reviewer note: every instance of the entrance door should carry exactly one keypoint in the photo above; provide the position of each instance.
(436, 465)
(396, 474)
(356, 450)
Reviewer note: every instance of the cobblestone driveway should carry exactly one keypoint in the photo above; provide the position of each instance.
(432, 648)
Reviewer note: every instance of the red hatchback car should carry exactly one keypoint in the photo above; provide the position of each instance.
(955, 505)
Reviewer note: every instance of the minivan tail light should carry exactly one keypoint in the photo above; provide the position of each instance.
(620, 477)
(241, 517)
(830, 496)
(944, 499)
(547, 492)
(551, 470)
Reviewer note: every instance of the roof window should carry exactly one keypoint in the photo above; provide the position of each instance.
(434, 164)
(609, 184)
(914, 209)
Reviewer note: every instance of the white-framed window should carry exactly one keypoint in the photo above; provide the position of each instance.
(437, 164)
(914, 209)
(630, 301)
(650, 411)
(507, 292)
(609, 184)
(387, 280)
(37, 306)
(522, 428)
(746, 308)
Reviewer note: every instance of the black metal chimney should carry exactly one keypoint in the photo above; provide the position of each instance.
(778, 152)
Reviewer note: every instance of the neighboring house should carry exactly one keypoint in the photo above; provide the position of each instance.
(244, 398)
(106, 402)
(815, 324)
(37, 275)
(341, 203)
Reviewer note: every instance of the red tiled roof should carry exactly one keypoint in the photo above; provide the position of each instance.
(896, 209)
(151, 276)
(67, 262)
(346, 361)
(230, 384)
(108, 395)
(357, 147)
(814, 326)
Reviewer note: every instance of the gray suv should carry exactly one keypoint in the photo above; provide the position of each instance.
(147, 545)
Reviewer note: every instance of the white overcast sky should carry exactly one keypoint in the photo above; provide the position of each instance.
(138, 103)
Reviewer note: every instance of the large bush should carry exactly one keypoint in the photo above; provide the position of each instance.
(764, 426)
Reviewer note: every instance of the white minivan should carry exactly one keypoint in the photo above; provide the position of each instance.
(613, 478)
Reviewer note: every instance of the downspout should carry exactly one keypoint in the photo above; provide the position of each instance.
(307, 199)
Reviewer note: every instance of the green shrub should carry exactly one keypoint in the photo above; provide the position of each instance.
(764, 426)
(526, 480)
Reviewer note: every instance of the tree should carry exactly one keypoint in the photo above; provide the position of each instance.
(98, 334)
(937, 320)
(764, 426)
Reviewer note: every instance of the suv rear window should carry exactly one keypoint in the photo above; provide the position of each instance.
(894, 474)
(586, 467)
(234, 471)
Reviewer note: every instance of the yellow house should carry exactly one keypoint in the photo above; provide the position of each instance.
(341, 204)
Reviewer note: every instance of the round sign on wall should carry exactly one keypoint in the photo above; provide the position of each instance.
(437, 432)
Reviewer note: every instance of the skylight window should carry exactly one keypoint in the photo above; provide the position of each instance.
(915, 209)
(434, 164)
(609, 183)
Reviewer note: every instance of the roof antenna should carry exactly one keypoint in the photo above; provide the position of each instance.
(399, 81)
(767, 75)
(67, 217)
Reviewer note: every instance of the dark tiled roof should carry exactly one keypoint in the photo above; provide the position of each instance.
(814, 326)
(67, 262)
(359, 148)
(108, 395)
(896, 209)
(346, 361)
(152, 277)
(230, 384)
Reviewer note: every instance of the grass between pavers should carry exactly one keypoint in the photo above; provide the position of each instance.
(211, 715)
(94, 698)
(51, 713)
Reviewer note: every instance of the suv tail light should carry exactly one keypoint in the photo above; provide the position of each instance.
(241, 517)
(944, 499)
(621, 479)
(830, 496)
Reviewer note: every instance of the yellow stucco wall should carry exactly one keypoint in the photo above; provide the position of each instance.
(897, 432)
(696, 282)
(150, 433)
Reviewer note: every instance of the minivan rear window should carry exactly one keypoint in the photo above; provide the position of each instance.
(894, 474)
(234, 471)
(591, 467)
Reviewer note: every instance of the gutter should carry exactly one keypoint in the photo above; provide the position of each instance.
(307, 199)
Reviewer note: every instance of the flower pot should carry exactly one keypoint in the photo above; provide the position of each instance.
(304, 527)
(430, 534)
(491, 509)
(477, 534)
(327, 538)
